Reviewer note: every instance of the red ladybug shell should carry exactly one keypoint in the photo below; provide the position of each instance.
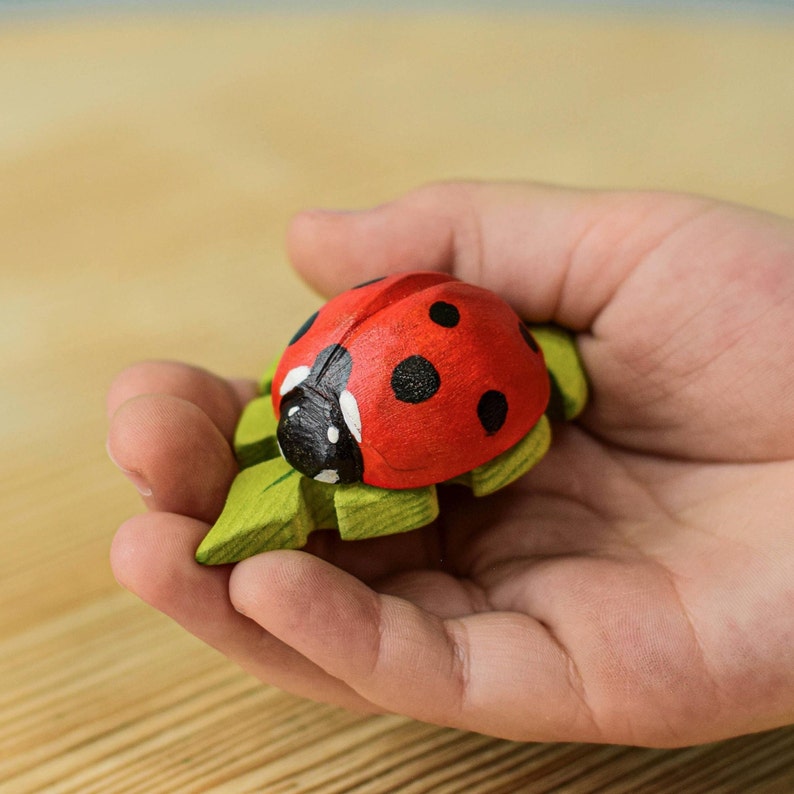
(444, 376)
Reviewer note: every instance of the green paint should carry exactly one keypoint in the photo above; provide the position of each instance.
(569, 383)
(367, 512)
(255, 436)
(265, 510)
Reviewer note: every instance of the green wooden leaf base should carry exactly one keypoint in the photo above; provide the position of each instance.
(271, 506)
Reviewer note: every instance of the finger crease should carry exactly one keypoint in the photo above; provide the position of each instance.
(460, 660)
(575, 679)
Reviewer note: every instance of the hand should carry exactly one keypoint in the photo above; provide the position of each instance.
(636, 587)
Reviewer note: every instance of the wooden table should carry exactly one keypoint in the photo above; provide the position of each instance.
(148, 166)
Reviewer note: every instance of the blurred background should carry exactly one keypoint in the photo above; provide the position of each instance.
(151, 155)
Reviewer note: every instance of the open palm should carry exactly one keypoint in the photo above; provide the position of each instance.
(637, 586)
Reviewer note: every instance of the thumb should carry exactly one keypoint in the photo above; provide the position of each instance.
(555, 254)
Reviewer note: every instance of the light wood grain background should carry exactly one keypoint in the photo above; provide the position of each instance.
(148, 167)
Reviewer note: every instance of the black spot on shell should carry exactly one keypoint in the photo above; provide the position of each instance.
(367, 283)
(415, 380)
(492, 411)
(444, 314)
(304, 328)
(528, 338)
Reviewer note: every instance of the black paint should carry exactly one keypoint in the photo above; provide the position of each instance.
(303, 436)
(415, 380)
(367, 283)
(492, 411)
(331, 370)
(444, 314)
(304, 328)
(528, 338)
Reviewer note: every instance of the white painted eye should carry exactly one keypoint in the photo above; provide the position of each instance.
(349, 406)
(333, 434)
(292, 411)
(327, 475)
(293, 378)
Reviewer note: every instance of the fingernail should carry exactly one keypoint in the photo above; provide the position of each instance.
(134, 477)
(140, 484)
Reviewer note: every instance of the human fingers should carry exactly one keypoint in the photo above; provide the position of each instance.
(174, 454)
(171, 426)
(556, 254)
(499, 673)
(152, 556)
(221, 399)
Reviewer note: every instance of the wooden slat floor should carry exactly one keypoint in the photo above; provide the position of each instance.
(88, 707)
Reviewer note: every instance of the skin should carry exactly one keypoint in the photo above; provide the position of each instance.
(636, 587)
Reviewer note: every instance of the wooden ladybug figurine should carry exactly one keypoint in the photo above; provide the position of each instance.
(407, 381)
(391, 388)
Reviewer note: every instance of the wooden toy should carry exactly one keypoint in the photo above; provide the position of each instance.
(390, 389)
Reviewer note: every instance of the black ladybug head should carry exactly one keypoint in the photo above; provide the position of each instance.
(317, 422)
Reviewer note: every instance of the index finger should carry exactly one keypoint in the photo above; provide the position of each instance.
(555, 254)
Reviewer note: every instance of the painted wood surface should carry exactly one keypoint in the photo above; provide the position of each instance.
(148, 168)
